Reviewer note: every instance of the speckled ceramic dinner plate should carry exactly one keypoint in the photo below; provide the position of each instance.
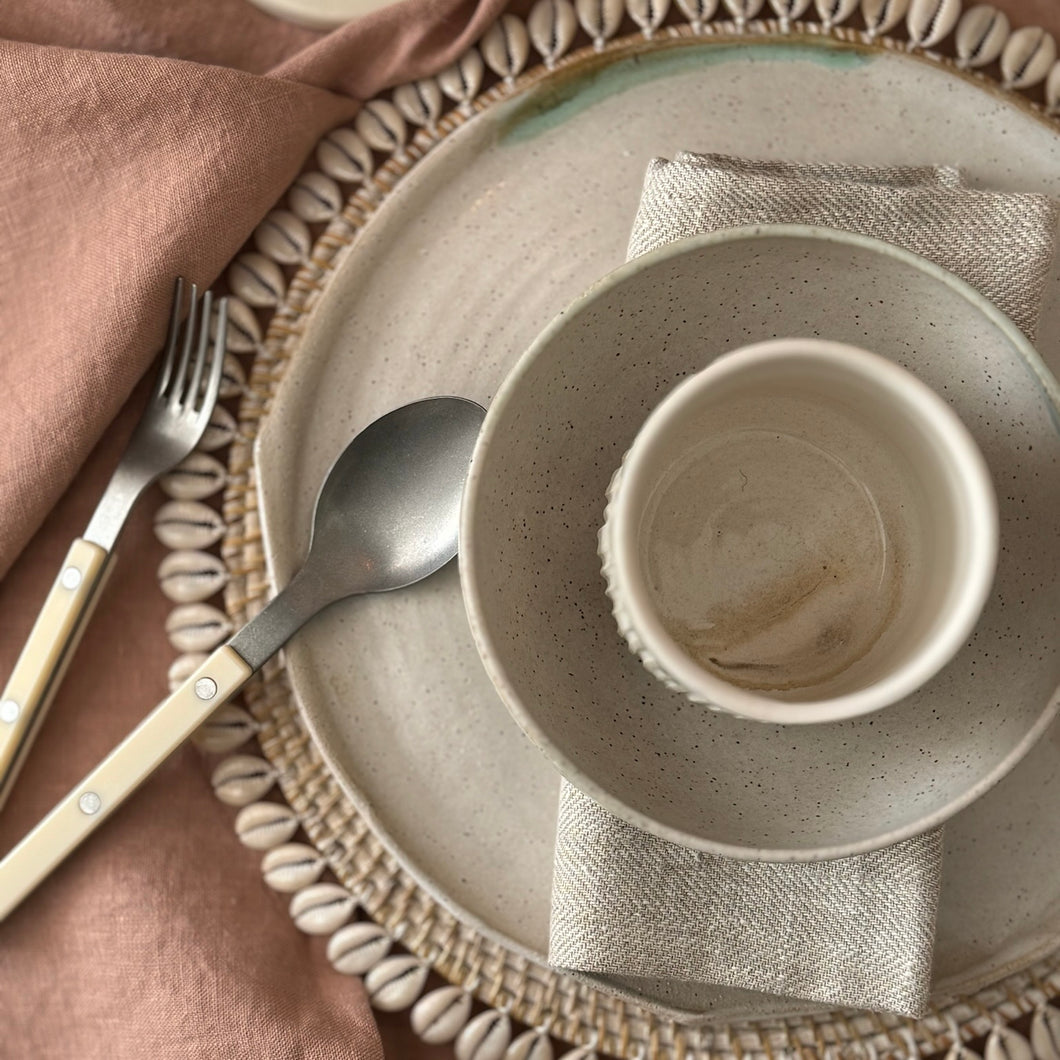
(484, 240)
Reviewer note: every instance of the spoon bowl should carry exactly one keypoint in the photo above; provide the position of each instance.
(387, 515)
(389, 509)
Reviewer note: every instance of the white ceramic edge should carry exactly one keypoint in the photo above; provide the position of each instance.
(658, 650)
(320, 14)
(471, 575)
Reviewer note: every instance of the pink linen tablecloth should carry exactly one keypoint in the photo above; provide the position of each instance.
(139, 140)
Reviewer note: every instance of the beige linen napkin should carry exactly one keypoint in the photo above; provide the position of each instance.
(856, 932)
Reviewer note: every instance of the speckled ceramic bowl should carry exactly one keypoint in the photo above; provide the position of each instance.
(535, 595)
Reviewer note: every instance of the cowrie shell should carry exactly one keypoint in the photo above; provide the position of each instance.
(197, 627)
(462, 80)
(229, 727)
(930, 22)
(486, 1037)
(420, 103)
(195, 478)
(530, 1045)
(262, 825)
(291, 867)
(882, 15)
(506, 46)
(188, 524)
(242, 779)
(256, 279)
(381, 125)
(553, 25)
(396, 982)
(439, 1016)
(1003, 1043)
(648, 14)
(981, 34)
(315, 198)
(1045, 1033)
(222, 427)
(283, 237)
(322, 908)
(233, 379)
(189, 576)
(600, 19)
(343, 155)
(182, 667)
(357, 948)
(743, 10)
(242, 332)
(1027, 57)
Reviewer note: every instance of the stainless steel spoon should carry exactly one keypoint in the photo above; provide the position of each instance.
(386, 517)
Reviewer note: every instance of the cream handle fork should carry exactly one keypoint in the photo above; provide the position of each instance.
(119, 774)
(47, 652)
(177, 412)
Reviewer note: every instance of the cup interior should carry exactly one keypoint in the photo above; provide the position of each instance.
(802, 522)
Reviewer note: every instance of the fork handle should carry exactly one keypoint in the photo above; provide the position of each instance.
(119, 774)
(47, 653)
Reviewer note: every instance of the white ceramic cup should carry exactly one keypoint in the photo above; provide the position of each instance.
(801, 532)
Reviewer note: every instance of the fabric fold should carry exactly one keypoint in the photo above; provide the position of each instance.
(123, 170)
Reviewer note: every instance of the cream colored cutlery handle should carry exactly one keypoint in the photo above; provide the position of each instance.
(51, 645)
(121, 772)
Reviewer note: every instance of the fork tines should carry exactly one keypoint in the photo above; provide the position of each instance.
(182, 392)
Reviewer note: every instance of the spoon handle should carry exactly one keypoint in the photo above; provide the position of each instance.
(119, 774)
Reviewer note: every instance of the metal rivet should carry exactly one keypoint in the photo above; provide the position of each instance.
(90, 803)
(71, 578)
(206, 688)
(9, 711)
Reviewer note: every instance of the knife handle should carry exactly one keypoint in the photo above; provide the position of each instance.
(52, 642)
(119, 774)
